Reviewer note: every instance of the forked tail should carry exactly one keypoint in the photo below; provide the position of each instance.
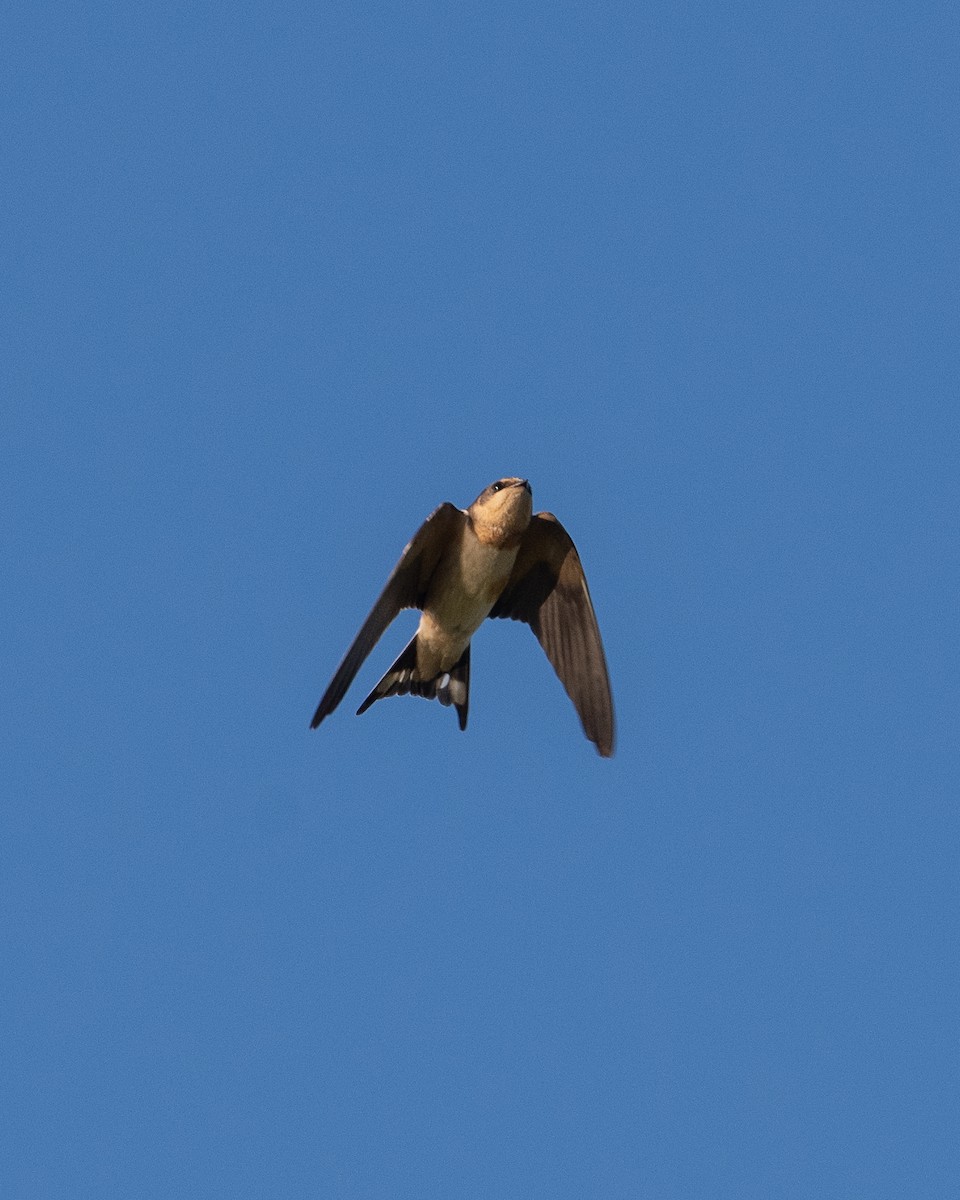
(449, 687)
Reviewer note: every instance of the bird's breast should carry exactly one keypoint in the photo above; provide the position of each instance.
(468, 584)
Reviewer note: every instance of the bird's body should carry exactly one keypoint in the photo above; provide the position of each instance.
(493, 559)
(472, 572)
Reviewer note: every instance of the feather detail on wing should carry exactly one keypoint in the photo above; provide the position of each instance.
(406, 588)
(547, 589)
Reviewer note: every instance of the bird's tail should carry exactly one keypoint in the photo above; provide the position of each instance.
(449, 687)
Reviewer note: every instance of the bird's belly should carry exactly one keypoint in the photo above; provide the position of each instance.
(461, 599)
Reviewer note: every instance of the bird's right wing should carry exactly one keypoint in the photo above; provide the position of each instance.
(406, 588)
(547, 589)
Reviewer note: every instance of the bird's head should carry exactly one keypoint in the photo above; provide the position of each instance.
(502, 511)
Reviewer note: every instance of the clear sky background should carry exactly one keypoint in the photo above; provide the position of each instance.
(279, 278)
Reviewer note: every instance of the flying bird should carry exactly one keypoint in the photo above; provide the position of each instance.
(493, 559)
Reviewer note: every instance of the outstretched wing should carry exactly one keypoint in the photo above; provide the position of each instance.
(548, 590)
(406, 588)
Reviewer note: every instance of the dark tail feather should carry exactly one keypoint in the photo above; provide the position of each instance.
(456, 688)
(449, 687)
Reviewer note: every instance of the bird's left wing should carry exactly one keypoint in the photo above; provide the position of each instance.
(406, 588)
(547, 589)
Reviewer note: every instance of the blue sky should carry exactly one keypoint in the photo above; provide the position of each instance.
(277, 280)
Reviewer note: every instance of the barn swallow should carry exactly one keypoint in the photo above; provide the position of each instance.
(493, 559)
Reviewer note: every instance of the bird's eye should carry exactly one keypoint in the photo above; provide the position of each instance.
(495, 487)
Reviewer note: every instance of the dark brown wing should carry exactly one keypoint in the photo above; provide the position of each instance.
(548, 590)
(406, 588)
